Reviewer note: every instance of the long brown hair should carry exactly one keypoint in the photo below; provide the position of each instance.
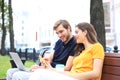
(91, 35)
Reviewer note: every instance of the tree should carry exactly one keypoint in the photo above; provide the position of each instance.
(7, 18)
(11, 31)
(97, 19)
(3, 30)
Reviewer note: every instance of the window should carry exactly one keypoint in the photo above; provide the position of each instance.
(106, 7)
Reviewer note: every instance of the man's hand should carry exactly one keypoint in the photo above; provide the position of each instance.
(34, 67)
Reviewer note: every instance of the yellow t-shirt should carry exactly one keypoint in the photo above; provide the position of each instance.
(84, 62)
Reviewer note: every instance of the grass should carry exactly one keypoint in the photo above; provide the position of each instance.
(5, 65)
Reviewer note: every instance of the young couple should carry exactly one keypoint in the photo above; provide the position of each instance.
(81, 54)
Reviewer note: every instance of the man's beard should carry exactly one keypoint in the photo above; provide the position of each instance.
(67, 39)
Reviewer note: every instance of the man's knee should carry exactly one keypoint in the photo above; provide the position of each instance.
(16, 76)
(21, 75)
(11, 71)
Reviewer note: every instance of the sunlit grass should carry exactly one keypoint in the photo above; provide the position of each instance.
(5, 65)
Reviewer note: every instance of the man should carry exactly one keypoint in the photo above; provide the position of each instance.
(63, 52)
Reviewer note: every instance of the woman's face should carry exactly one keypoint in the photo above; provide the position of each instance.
(80, 35)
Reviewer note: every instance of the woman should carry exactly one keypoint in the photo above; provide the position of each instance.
(88, 60)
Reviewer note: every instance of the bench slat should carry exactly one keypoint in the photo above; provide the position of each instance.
(110, 77)
(111, 67)
(112, 61)
(111, 70)
(117, 55)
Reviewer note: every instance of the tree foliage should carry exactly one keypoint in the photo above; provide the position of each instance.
(5, 14)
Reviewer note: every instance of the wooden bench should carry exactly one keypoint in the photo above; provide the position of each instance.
(111, 67)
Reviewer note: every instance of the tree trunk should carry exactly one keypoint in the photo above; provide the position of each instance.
(97, 19)
(11, 31)
(3, 31)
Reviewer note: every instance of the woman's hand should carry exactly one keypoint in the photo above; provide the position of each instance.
(45, 62)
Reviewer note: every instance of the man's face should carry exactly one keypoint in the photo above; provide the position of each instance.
(63, 34)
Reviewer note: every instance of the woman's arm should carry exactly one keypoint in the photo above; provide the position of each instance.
(97, 68)
(49, 57)
(69, 63)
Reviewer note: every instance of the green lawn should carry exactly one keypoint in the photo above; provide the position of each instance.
(5, 65)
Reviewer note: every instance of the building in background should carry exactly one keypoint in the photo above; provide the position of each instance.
(33, 23)
(112, 17)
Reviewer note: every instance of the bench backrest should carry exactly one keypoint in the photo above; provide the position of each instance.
(111, 67)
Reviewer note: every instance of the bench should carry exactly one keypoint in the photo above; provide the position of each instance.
(111, 67)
